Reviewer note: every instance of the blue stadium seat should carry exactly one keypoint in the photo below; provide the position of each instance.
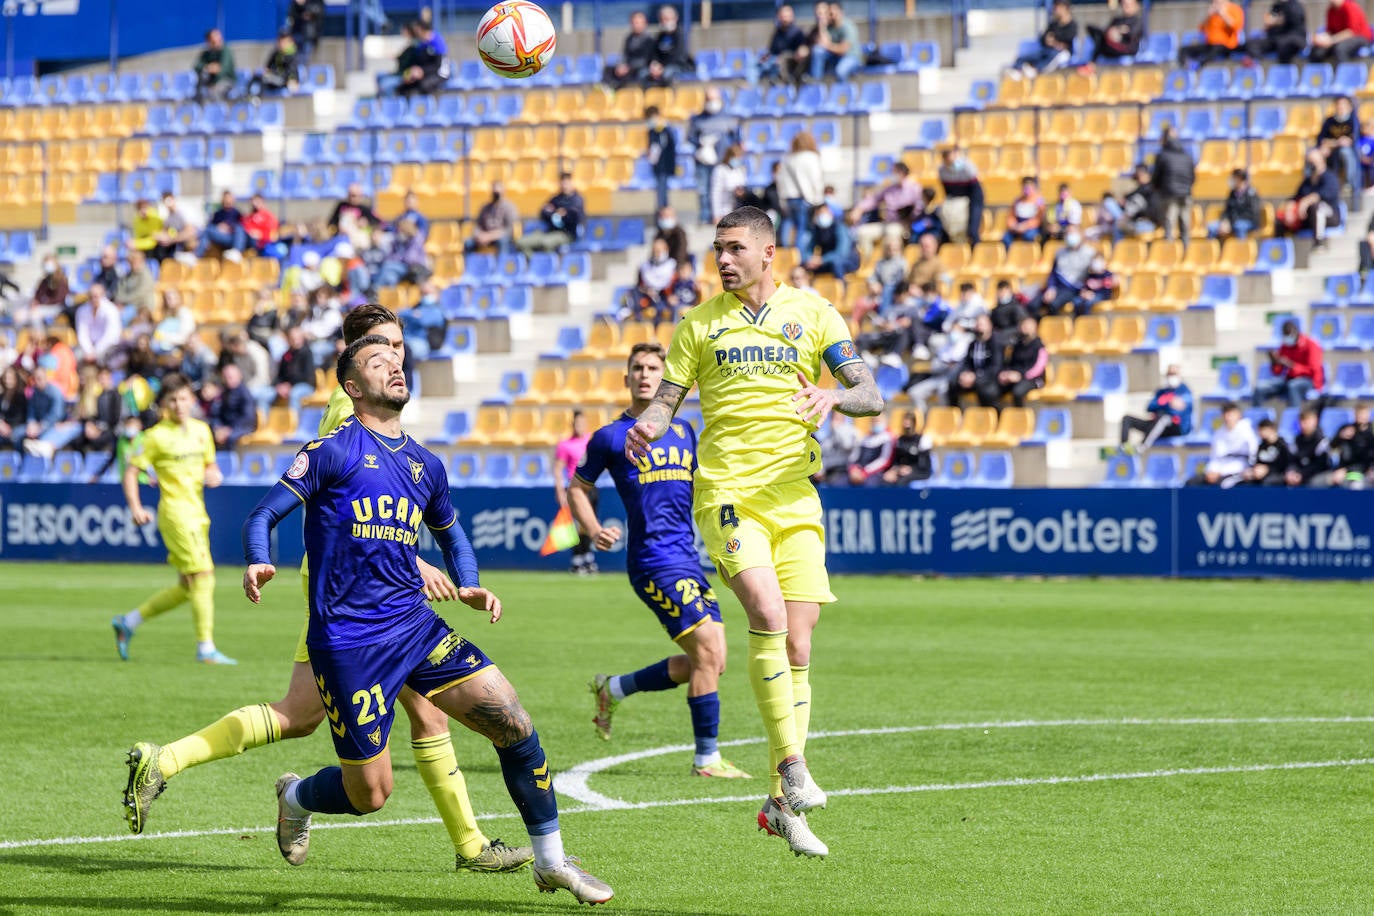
(890, 379)
(710, 64)
(448, 111)
(874, 97)
(1233, 383)
(1179, 85)
(1199, 124)
(760, 135)
(922, 55)
(228, 464)
(32, 469)
(486, 299)
(255, 467)
(511, 268)
(1218, 289)
(183, 84)
(956, 469)
(982, 94)
(1274, 254)
(1159, 48)
(1052, 424)
(1162, 331)
(775, 102)
(541, 269)
(459, 340)
(307, 426)
(1232, 123)
(841, 99)
(52, 90)
(629, 232)
(1159, 118)
(9, 467)
(1328, 329)
(598, 234)
(431, 146)
(1194, 465)
(463, 469)
(293, 185)
(569, 341)
(365, 112)
(1360, 336)
(533, 469)
(457, 424)
(1341, 288)
(106, 189)
(1108, 378)
(1121, 471)
(1205, 426)
(1281, 81)
(808, 100)
(1245, 83)
(1162, 469)
(498, 468)
(879, 169)
(587, 68)
(417, 113)
(735, 64)
(514, 383)
(576, 267)
(995, 470)
(1333, 418)
(479, 269)
(481, 107)
(1213, 83)
(456, 303)
(1316, 79)
(472, 74)
(66, 467)
(318, 77)
(933, 132)
(515, 300)
(1350, 380)
(397, 146)
(1350, 78)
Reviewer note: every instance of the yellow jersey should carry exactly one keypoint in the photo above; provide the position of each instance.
(745, 365)
(339, 408)
(178, 456)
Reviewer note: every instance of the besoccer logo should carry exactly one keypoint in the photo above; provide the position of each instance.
(732, 545)
(792, 331)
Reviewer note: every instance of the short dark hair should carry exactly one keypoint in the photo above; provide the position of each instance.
(348, 359)
(902, 167)
(1240, 174)
(1267, 423)
(172, 383)
(1312, 412)
(751, 218)
(1004, 284)
(648, 346)
(1289, 327)
(651, 112)
(361, 320)
(1230, 406)
(565, 176)
(966, 287)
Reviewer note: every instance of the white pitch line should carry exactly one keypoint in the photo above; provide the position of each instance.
(618, 805)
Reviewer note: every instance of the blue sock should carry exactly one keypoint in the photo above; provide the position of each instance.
(530, 784)
(654, 677)
(324, 793)
(705, 711)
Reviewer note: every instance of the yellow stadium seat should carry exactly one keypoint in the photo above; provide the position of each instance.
(1047, 90)
(490, 421)
(1055, 331)
(522, 423)
(578, 380)
(1016, 161)
(1164, 255)
(631, 333)
(1128, 255)
(978, 424)
(1145, 289)
(539, 106)
(1202, 255)
(1303, 121)
(987, 257)
(546, 381)
(664, 334)
(1012, 92)
(1071, 378)
(1050, 159)
(1021, 257)
(1237, 256)
(1014, 425)
(1127, 333)
(1147, 84)
(262, 435)
(486, 143)
(941, 423)
(953, 258)
(1181, 291)
(1105, 124)
(603, 338)
(1089, 331)
(1080, 88)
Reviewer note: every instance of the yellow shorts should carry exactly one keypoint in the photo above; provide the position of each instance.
(302, 653)
(188, 543)
(778, 527)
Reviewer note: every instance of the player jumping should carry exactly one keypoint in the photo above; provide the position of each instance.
(368, 488)
(755, 352)
(661, 561)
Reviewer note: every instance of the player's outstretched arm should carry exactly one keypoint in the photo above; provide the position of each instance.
(859, 398)
(582, 512)
(653, 422)
(279, 502)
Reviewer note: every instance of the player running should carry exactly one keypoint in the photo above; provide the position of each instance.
(367, 488)
(755, 352)
(180, 451)
(300, 712)
(661, 561)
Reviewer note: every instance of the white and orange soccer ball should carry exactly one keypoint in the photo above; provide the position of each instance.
(516, 39)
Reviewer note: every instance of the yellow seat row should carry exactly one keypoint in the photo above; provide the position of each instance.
(528, 424)
(62, 122)
(976, 427)
(543, 106)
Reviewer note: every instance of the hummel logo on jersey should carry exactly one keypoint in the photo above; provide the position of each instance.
(774, 677)
(370, 462)
(716, 334)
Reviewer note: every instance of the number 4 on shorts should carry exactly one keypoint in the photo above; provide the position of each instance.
(728, 519)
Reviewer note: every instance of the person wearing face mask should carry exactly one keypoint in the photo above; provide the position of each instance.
(1299, 374)
(1241, 213)
(1097, 287)
(1315, 205)
(1171, 180)
(661, 152)
(711, 132)
(1067, 216)
(673, 234)
(49, 296)
(1168, 415)
(423, 325)
(495, 224)
(831, 247)
(1007, 313)
(1024, 369)
(727, 179)
(1339, 138)
(1071, 265)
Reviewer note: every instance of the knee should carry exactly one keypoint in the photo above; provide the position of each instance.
(798, 648)
(299, 716)
(367, 799)
(426, 719)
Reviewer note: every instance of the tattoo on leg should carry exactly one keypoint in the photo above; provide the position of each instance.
(498, 716)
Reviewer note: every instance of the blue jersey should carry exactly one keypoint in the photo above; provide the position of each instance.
(365, 501)
(657, 492)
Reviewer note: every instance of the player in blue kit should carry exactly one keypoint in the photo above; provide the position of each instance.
(368, 488)
(661, 560)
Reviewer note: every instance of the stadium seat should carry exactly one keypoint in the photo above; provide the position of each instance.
(533, 469)
(1275, 254)
(941, 423)
(1350, 380)
(1233, 383)
(1121, 471)
(1360, 335)
(463, 468)
(1217, 289)
(459, 340)
(995, 470)
(1281, 81)
(1332, 419)
(1179, 86)
(1341, 288)
(956, 470)
(1052, 424)
(1162, 469)
(1108, 378)
(1204, 428)
(1162, 331)
(457, 423)
(1315, 80)
(1328, 329)
(570, 340)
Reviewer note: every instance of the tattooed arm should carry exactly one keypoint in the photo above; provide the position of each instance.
(653, 422)
(858, 398)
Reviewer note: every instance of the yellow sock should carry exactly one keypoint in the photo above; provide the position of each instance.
(241, 730)
(202, 589)
(438, 767)
(161, 602)
(773, 694)
(801, 703)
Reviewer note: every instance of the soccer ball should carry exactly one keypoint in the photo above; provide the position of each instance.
(515, 39)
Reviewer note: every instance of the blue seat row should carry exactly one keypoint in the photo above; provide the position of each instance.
(1334, 332)
(162, 86)
(494, 469)
(1277, 81)
(541, 268)
(471, 302)
(318, 182)
(742, 63)
(810, 100)
(448, 110)
(955, 468)
(144, 184)
(189, 152)
(364, 147)
(16, 246)
(213, 118)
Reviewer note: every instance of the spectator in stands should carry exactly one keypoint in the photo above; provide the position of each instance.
(648, 301)
(1233, 444)
(1026, 362)
(830, 250)
(252, 358)
(49, 295)
(1347, 33)
(1070, 271)
(1353, 451)
(964, 314)
(224, 230)
(1056, 44)
(264, 325)
(911, 459)
(147, 223)
(873, 455)
(141, 361)
(1067, 214)
(1222, 30)
(304, 19)
(1366, 250)
(390, 83)
(138, 288)
(926, 217)
(729, 183)
(175, 326)
(1242, 212)
(98, 408)
(494, 228)
(661, 153)
(295, 371)
(1168, 415)
(888, 276)
(1311, 450)
(981, 370)
(562, 215)
(229, 408)
(214, 68)
(14, 408)
(1297, 366)
(1339, 139)
(801, 189)
(780, 62)
(1315, 205)
(354, 218)
(307, 276)
(838, 52)
(405, 262)
(1121, 38)
(800, 279)
(676, 237)
(260, 224)
(107, 272)
(1026, 216)
(671, 57)
(885, 211)
(1098, 286)
(711, 132)
(46, 428)
(1007, 313)
(1139, 210)
(178, 234)
(838, 439)
(927, 267)
(963, 190)
(281, 73)
(98, 325)
(685, 291)
(1272, 458)
(1171, 181)
(429, 67)
(638, 52)
(423, 325)
(1285, 32)
(324, 326)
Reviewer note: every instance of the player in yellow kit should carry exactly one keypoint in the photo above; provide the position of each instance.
(180, 451)
(755, 353)
(300, 712)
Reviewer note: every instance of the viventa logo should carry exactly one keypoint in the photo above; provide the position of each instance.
(1279, 531)
(1072, 531)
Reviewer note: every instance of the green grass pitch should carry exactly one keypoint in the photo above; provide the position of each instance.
(1102, 747)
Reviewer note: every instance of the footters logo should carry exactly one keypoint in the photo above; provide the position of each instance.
(1072, 531)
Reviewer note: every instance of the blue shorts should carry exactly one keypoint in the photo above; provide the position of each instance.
(359, 685)
(680, 597)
